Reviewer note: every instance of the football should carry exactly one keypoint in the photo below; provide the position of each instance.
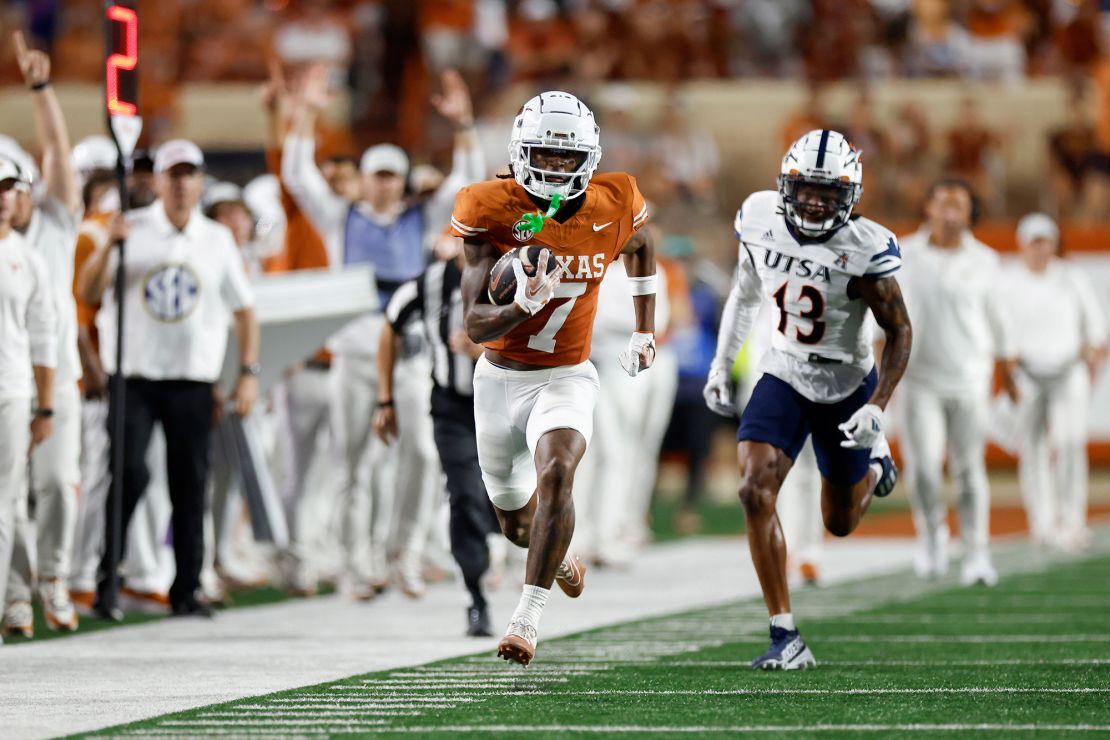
(502, 279)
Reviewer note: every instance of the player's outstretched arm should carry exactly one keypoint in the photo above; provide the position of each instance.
(884, 297)
(736, 325)
(484, 320)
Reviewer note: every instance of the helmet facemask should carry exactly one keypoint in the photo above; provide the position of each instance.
(814, 206)
(544, 183)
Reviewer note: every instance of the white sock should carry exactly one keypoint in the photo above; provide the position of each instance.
(532, 602)
(784, 620)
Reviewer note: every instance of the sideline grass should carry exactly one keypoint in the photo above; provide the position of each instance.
(1029, 658)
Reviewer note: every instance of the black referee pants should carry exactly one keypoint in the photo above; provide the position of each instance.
(184, 409)
(472, 516)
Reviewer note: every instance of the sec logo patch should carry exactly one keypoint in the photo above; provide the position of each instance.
(170, 292)
(522, 231)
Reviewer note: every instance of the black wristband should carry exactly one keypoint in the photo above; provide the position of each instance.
(40, 85)
(253, 370)
(44, 413)
(385, 404)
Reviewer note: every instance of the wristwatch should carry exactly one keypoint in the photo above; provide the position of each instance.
(44, 413)
(254, 370)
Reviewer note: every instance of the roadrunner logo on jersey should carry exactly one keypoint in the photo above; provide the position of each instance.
(796, 266)
(842, 261)
(170, 292)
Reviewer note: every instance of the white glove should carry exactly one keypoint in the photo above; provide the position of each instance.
(533, 293)
(640, 353)
(717, 392)
(863, 429)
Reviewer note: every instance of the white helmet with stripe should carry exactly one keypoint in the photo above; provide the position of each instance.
(820, 182)
(554, 120)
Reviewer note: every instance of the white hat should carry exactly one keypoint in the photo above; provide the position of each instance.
(222, 192)
(1036, 226)
(385, 158)
(94, 153)
(177, 151)
(9, 170)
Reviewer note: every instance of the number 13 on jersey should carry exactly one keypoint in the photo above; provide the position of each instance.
(813, 313)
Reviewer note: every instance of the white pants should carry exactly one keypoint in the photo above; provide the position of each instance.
(932, 425)
(513, 409)
(46, 546)
(15, 436)
(372, 476)
(613, 487)
(799, 508)
(306, 435)
(149, 561)
(418, 477)
(1052, 469)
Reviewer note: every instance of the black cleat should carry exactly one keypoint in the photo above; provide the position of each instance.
(477, 622)
(193, 608)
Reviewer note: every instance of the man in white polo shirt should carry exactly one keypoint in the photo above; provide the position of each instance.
(27, 358)
(185, 283)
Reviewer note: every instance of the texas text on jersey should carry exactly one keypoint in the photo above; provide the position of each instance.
(584, 246)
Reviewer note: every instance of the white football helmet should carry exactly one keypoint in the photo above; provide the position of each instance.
(93, 153)
(823, 158)
(554, 120)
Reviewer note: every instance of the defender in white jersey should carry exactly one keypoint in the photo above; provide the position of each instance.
(799, 248)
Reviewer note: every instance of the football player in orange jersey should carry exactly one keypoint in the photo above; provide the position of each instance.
(534, 387)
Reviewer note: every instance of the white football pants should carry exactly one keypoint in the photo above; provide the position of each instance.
(933, 424)
(45, 546)
(306, 437)
(799, 508)
(149, 563)
(15, 436)
(372, 475)
(1052, 467)
(615, 480)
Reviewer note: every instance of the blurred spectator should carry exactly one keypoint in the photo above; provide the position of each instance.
(1072, 154)
(541, 41)
(624, 144)
(909, 147)
(938, 46)
(864, 134)
(973, 152)
(316, 33)
(764, 33)
(445, 34)
(596, 42)
(688, 154)
(995, 51)
(810, 116)
(833, 53)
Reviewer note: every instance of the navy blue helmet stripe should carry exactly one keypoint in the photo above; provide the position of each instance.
(821, 149)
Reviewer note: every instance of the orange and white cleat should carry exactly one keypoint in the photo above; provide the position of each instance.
(83, 602)
(519, 643)
(571, 576)
(144, 602)
(57, 606)
(19, 619)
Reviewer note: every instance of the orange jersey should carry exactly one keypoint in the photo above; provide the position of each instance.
(584, 247)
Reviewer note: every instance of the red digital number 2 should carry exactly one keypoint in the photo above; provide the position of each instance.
(127, 60)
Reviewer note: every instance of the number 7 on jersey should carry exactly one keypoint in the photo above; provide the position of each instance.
(544, 340)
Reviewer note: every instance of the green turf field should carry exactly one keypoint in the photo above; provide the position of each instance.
(897, 656)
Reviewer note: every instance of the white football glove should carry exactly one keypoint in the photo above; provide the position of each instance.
(640, 353)
(863, 428)
(533, 293)
(717, 391)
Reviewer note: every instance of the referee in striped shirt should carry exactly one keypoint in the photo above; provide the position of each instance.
(434, 300)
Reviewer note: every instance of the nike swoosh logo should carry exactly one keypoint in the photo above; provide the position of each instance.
(599, 228)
